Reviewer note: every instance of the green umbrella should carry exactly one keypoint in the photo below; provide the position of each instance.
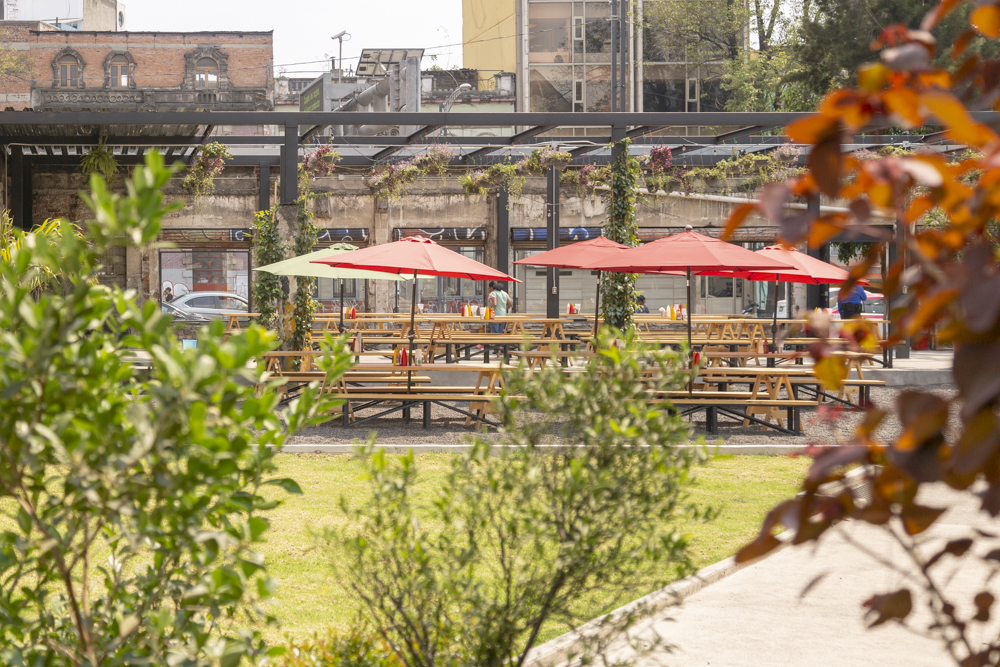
(303, 266)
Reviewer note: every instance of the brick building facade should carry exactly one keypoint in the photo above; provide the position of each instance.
(73, 70)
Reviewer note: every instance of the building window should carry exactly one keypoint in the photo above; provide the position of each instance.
(69, 70)
(119, 72)
(206, 74)
(208, 270)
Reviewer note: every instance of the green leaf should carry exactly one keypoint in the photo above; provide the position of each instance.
(289, 485)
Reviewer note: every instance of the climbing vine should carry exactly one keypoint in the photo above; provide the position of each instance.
(200, 179)
(268, 249)
(305, 305)
(390, 181)
(618, 289)
(317, 164)
(485, 181)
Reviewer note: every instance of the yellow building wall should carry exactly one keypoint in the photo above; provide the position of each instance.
(493, 21)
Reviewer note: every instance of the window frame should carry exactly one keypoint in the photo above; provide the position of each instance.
(120, 68)
(69, 71)
(201, 71)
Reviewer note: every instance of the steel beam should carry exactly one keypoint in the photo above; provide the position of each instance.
(407, 141)
(813, 295)
(503, 229)
(519, 138)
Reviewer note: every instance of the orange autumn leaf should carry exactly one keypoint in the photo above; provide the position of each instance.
(904, 103)
(737, 219)
(986, 20)
(812, 129)
(831, 371)
(822, 231)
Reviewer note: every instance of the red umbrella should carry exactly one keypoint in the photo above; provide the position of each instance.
(692, 253)
(805, 269)
(579, 256)
(419, 256)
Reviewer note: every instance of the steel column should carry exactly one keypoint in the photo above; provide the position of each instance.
(614, 55)
(552, 242)
(897, 253)
(503, 229)
(16, 168)
(264, 191)
(27, 203)
(290, 165)
(813, 296)
(623, 55)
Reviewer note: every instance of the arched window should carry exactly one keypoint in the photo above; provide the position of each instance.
(69, 69)
(206, 74)
(119, 72)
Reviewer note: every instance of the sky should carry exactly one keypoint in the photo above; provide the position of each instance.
(302, 28)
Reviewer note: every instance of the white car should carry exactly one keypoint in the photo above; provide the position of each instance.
(211, 304)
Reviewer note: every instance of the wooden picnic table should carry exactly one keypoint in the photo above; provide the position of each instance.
(233, 318)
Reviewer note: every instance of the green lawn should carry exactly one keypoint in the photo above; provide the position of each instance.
(309, 599)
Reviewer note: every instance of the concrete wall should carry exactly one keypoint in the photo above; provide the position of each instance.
(432, 203)
(100, 15)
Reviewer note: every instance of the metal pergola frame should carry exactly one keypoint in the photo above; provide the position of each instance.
(33, 138)
(45, 137)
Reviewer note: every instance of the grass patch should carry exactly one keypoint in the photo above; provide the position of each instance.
(310, 600)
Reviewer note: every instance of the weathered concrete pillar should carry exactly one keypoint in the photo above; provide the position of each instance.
(288, 229)
(384, 291)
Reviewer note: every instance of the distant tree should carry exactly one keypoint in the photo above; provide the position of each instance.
(15, 65)
(836, 37)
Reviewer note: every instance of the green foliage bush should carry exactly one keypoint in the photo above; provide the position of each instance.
(517, 538)
(340, 650)
(130, 506)
(305, 305)
(268, 249)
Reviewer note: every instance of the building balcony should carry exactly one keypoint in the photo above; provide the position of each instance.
(149, 99)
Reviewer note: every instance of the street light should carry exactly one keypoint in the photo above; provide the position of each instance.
(340, 57)
(446, 107)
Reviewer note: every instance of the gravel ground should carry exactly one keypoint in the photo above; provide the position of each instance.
(820, 426)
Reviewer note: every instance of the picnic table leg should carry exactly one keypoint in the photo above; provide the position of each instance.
(712, 419)
(346, 414)
(427, 414)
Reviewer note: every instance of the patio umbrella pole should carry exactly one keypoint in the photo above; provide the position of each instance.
(774, 325)
(690, 349)
(341, 305)
(597, 307)
(413, 310)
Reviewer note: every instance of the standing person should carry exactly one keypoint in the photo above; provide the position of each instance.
(849, 305)
(641, 306)
(168, 295)
(499, 301)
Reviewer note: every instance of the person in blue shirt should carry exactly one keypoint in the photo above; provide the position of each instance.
(849, 304)
(641, 306)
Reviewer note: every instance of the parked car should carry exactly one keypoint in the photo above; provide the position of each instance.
(183, 316)
(211, 304)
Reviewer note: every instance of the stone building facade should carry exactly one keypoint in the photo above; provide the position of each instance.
(73, 70)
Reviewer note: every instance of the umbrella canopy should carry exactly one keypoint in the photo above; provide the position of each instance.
(415, 256)
(303, 266)
(688, 251)
(576, 256)
(579, 256)
(805, 269)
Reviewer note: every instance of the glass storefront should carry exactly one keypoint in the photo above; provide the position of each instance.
(209, 270)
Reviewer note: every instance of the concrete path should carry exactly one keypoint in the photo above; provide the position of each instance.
(758, 616)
